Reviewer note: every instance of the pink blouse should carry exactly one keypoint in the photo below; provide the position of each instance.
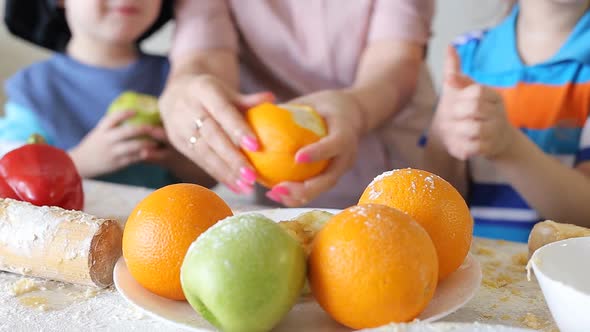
(296, 47)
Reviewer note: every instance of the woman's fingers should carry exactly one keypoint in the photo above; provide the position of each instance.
(195, 146)
(330, 146)
(323, 149)
(294, 194)
(218, 168)
(244, 102)
(219, 143)
(208, 127)
(217, 104)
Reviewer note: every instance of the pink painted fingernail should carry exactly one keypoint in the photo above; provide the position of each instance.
(273, 197)
(250, 143)
(248, 175)
(234, 189)
(302, 158)
(281, 191)
(245, 188)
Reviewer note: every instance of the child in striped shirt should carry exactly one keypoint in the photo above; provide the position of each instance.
(513, 119)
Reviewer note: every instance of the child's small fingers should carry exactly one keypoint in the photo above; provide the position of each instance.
(128, 132)
(478, 92)
(452, 64)
(154, 154)
(472, 148)
(457, 81)
(132, 148)
(159, 134)
(112, 120)
(468, 129)
(466, 109)
(464, 149)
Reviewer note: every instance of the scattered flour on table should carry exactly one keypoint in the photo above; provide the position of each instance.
(31, 304)
(24, 286)
(505, 296)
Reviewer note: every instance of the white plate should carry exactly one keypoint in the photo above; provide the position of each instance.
(451, 294)
(447, 327)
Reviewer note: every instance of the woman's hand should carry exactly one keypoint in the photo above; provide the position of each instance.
(179, 165)
(204, 121)
(111, 145)
(344, 120)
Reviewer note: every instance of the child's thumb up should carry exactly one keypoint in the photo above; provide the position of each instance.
(453, 77)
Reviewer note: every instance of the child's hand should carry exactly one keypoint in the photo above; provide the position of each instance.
(344, 121)
(471, 119)
(111, 146)
(165, 155)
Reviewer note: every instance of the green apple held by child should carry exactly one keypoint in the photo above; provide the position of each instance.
(145, 107)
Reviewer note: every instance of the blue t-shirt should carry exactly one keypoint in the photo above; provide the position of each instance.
(549, 102)
(63, 100)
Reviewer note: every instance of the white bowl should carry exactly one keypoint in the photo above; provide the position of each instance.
(563, 271)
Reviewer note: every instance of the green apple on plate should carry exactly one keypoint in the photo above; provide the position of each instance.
(244, 274)
(145, 106)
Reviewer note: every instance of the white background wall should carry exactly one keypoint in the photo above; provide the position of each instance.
(453, 18)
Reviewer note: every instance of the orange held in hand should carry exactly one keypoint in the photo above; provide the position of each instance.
(371, 265)
(160, 230)
(282, 131)
(432, 202)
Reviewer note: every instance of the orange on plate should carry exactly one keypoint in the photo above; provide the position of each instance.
(282, 131)
(371, 265)
(432, 202)
(160, 230)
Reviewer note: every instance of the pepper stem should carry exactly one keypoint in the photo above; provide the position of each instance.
(36, 139)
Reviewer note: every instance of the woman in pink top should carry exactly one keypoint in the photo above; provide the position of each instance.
(358, 63)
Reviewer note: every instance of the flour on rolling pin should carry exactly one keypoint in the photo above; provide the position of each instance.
(58, 244)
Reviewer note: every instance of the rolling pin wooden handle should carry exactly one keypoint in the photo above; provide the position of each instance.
(549, 231)
(58, 244)
(105, 250)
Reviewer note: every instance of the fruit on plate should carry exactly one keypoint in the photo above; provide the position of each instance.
(305, 226)
(282, 130)
(244, 274)
(145, 106)
(372, 265)
(433, 203)
(160, 230)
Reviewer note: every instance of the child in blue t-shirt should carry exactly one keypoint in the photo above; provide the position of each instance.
(513, 119)
(65, 98)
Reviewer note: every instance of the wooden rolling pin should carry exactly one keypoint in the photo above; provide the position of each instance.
(549, 231)
(58, 244)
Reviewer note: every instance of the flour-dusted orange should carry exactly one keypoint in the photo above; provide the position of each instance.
(371, 265)
(432, 202)
(160, 230)
(282, 131)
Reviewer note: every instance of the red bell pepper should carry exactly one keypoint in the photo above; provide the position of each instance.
(42, 175)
